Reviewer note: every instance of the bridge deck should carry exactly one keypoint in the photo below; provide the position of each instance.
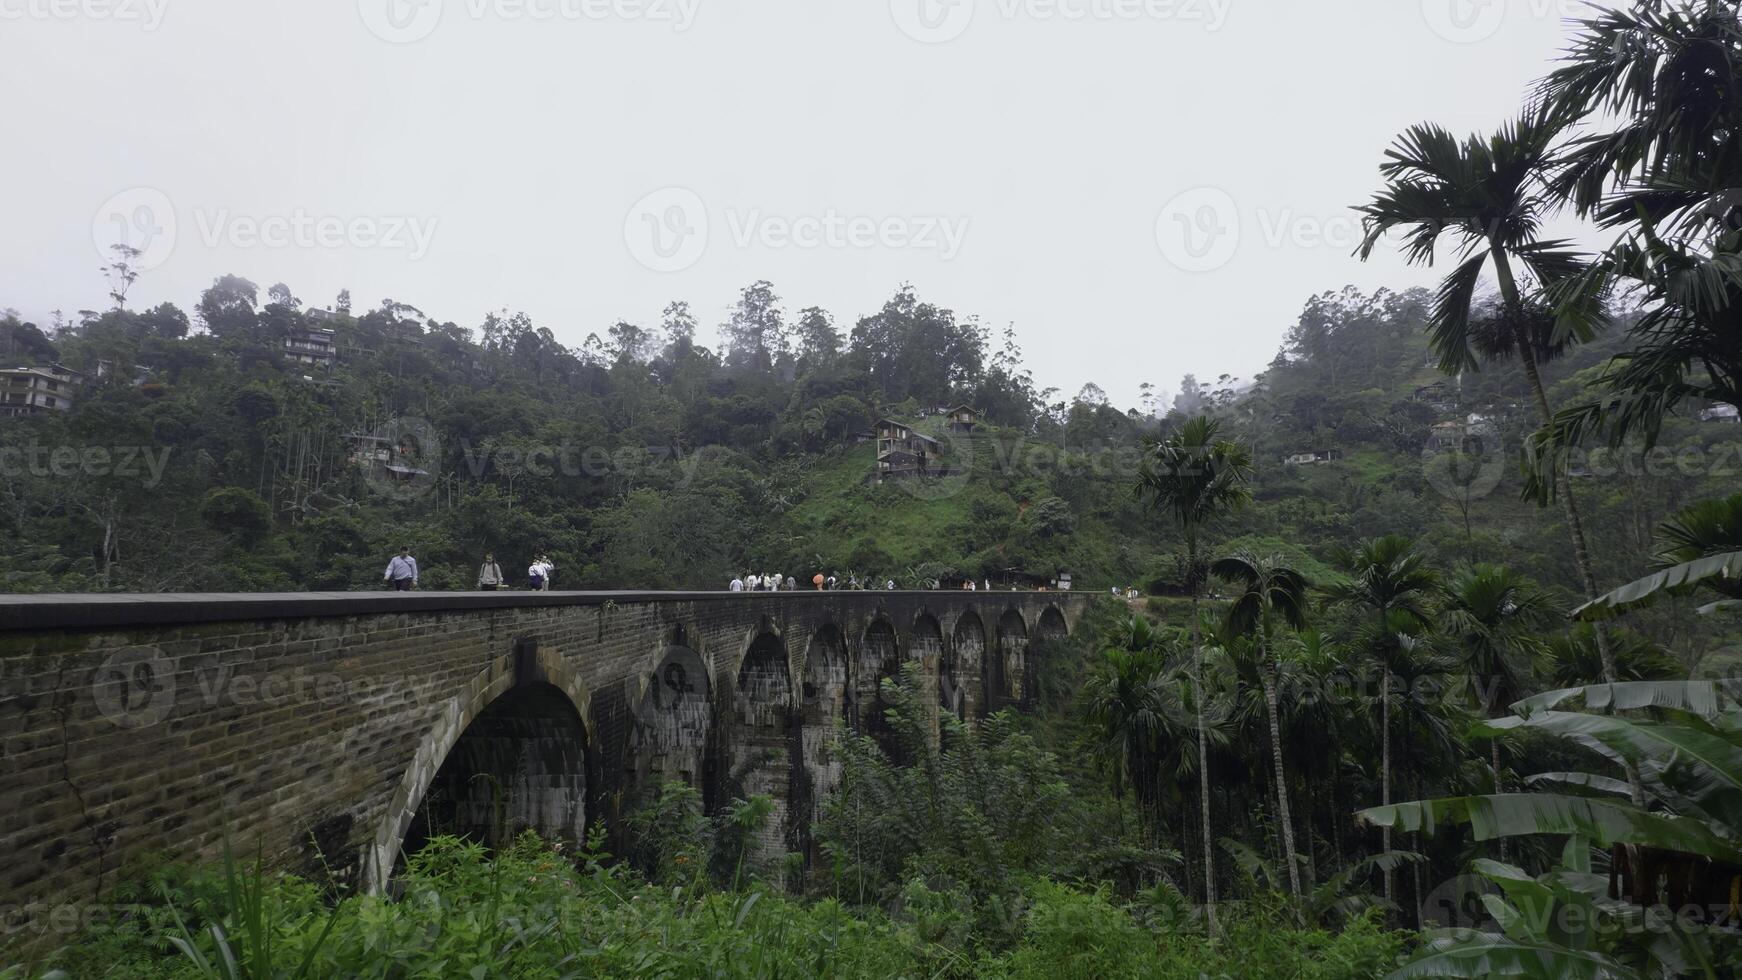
(49, 611)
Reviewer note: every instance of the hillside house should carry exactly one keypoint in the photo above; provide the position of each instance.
(1310, 458)
(1459, 437)
(1721, 413)
(962, 419)
(32, 390)
(313, 346)
(902, 451)
(1437, 395)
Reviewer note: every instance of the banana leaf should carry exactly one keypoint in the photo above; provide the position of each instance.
(1699, 770)
(1593, 784)
(1645, 591)
(1705, 698)
(1519, 814)
(1468, 953)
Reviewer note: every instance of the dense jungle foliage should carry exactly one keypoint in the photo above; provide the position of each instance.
(1450, 694)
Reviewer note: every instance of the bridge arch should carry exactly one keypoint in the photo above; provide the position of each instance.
(925, 646)
(961, 682)
(1052, 624)
(879, 657)
(673, 704)
(1007, 680)
(823, 703)
(523, 721)
(762, 737)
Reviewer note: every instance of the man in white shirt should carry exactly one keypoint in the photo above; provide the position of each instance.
(737, 584)
(402, 571)
(754, 582)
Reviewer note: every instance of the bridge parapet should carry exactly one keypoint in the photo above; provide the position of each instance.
(331, 728)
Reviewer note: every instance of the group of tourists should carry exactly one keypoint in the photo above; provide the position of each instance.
(775, 582)
(402, 573)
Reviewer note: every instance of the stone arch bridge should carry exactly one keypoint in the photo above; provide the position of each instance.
(332, 730)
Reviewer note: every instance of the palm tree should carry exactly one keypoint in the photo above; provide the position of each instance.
(1197, 477)
(1391, 581)
(1492, 614)
(1269, 590)
(1492, 195)
(1123, 704)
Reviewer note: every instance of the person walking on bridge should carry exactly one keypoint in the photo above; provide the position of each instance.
(817, 580)
(402, 571)
(489, 574)
(737, 584)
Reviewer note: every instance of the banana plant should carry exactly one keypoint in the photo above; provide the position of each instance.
(1685, 741)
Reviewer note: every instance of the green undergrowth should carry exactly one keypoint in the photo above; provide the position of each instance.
(533, 910)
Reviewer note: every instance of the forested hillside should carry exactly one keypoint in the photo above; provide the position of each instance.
(646, 460)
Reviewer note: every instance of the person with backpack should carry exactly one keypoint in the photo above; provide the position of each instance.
(489, 574)
(535, 579)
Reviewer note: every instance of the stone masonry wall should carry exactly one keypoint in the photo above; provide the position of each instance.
(135, 728)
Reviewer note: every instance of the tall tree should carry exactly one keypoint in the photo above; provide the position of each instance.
(755, 331)
(1663, 165)
(1491, 195)
(1269, 591)
(1493, 615)
(1389, 579)
(1196, 477)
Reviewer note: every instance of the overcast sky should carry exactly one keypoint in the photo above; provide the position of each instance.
(1143, 187)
